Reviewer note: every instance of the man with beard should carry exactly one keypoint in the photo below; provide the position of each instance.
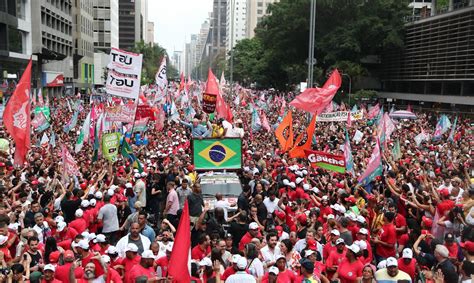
(391, 273)
(144, 269)
(89, 272)
(134, 237)
(48, 274)
(271, 251)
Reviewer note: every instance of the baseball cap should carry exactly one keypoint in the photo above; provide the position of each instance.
(235, 258)
(307, 264)
(442, 250)
(253, 226)
(58, 218)
(335, 232)
(363, 231)
(427, 221)
(98, 195)
(105, 258)
(83, 244)
(449, 238)
(111, 250)
(280, 257)
(79, 212)
(340, 241)
(68, 254)
(308, 253)
(273, 270)
(468, 245)
(361, 219)
(92, 202)
(382, 264)
(407, 253)
(49, 267)
(54, 257)
(444, 192)
(131, 248)
(241, 263)
(391, 261)
(362, 244)
(60, 226)
(354, 248)
(100, 239)
(85, 203)
(148, 254)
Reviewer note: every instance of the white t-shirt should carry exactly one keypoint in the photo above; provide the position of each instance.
(224, 205)
(256, 267)
(240, 277)
(270, 255)
(270, 205)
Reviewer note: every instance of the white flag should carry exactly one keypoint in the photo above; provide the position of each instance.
(160, 77)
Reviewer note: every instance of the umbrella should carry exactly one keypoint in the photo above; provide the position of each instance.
(402, 114)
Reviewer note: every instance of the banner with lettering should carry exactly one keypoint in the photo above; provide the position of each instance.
(122, 85)
(145, 111)
(70, 165)
(339, 116)
(326, 160)
(110, 145)
(125, 62)
(120, 113)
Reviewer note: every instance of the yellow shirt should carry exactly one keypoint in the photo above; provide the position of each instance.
(217, 131)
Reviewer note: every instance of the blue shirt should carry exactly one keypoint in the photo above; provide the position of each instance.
(149, 233)
(198, 131)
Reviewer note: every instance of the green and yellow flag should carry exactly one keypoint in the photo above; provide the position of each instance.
(217, 154)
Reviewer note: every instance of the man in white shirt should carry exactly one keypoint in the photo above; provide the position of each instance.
(271, 251)
(271, 203)
(241, 275)
(224, 204)
(140, 189)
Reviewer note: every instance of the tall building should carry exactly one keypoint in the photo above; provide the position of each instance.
(436, 63)
(132, 22)
(218, 27)
(150, 33)
(52, 41)
(236, 26)
(83, 36)
(176, 60)
(15, 41)
(256, 10)
(106, 25)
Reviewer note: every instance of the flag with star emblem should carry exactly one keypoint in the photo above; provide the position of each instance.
(217, 154)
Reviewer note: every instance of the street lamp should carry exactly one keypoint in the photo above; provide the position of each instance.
(232, 49)
(350, 86)
(312, 20)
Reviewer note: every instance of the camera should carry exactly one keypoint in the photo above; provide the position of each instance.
(4, 271)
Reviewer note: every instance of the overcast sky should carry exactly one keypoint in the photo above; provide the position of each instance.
(176, 20)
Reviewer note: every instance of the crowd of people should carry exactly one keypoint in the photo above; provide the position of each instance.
(294, 222)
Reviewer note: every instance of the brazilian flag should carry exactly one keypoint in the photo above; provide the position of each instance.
(217, 154)
(127, 153)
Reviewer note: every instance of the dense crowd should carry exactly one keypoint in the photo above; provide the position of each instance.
(294, 223)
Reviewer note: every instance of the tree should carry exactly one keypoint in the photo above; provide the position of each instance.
(346, 33)
(152, 55)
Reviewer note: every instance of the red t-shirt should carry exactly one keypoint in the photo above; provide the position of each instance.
(400, 221)
(62, 272)
(79, 224)
(162, 262)
(387, 235)
(453, 250)
(348, 272)
(138, 271)
(247, 238)
(99, 270)
(129, 263)
(410, 268)
(333, 260)
(227, 272)
(114, 276)
(198, 253)
(286, 276)
(328, 249)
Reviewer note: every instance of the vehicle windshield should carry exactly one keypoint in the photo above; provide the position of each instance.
(227, 186)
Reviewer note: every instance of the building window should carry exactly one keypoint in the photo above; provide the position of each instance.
(15, 39)
(259, 4)
(259, 12)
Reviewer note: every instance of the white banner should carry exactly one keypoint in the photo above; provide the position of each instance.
(358, 136)
(339, 116)
(125, 62)
(122, 85)
(160, 78)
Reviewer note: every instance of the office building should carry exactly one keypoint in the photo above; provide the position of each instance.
(150, 33)
(256, 10)
(15, 42)
(83, 36)
(218, 28)
(106, 25)
(236, 26)
(132, 22)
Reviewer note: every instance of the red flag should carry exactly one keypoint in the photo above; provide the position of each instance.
(304, 140)
(265, 123)
(17, 118)
(178, 264)
(283, 106)
(284, 132)
(314, 100)
(209, 96)
(182, 82)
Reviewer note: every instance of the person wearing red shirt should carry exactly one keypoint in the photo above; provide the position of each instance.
(131, 258)
(62, 271)
(407, 263)
(335, 258)
(162, 262)
(79, 224)
(284, 275)
(350, 268)
(271, 275)
(87, 256)
(385, 242)
(143, 269)
(363, 236)
(90, 274)
(100, 244)
(252, 233)
(202, 249)
(48, 274)
(452, 247)
(400, 221)
(331, 246)
(325, 210)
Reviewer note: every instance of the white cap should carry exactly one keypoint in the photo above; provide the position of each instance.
(111, 250)
(340, 241)
(83, 244)
(299, 180)
(361, 219)
(93, 202)
(304, 171)
(135, 170)
(205, 262)
(315, 190)
(308, 253)
(98, 195)
(407, 253)
(382, 264)
(131, 248)
(49, 267)
(58, 219)
(128, 185)
(292, 185)
(79, 213)
(105, 258)
(100, 239)
(110, 192)
(235, 258)
(274, 270)
(362, 244)
(137, 175)
(253, 226)
(85, 203)
(148, 254)
(143, 174)
(363, 231)
(113, 187)
(60, 226)
(354, 248)
(3, 239)
(242, 263)
(306, 187)
(286, 182)
(325, 198)
(331, 216)
(442, 250)
(391, 261)
(335, 232)
(351, 216)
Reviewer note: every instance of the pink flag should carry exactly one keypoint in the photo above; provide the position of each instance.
(265, 123)
(283, 106)
(314, 100)
(160, 121)
(70, 165)
(349, 120)
(374, 111)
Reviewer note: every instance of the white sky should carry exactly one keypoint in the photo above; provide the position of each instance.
(176, 20)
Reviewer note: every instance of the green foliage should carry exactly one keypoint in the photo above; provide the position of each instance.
(152, 55)
(366, 94)
(346, 32)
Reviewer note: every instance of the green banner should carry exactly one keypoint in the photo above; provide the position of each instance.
(217, 154)
(110, 145)
(46, 111)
